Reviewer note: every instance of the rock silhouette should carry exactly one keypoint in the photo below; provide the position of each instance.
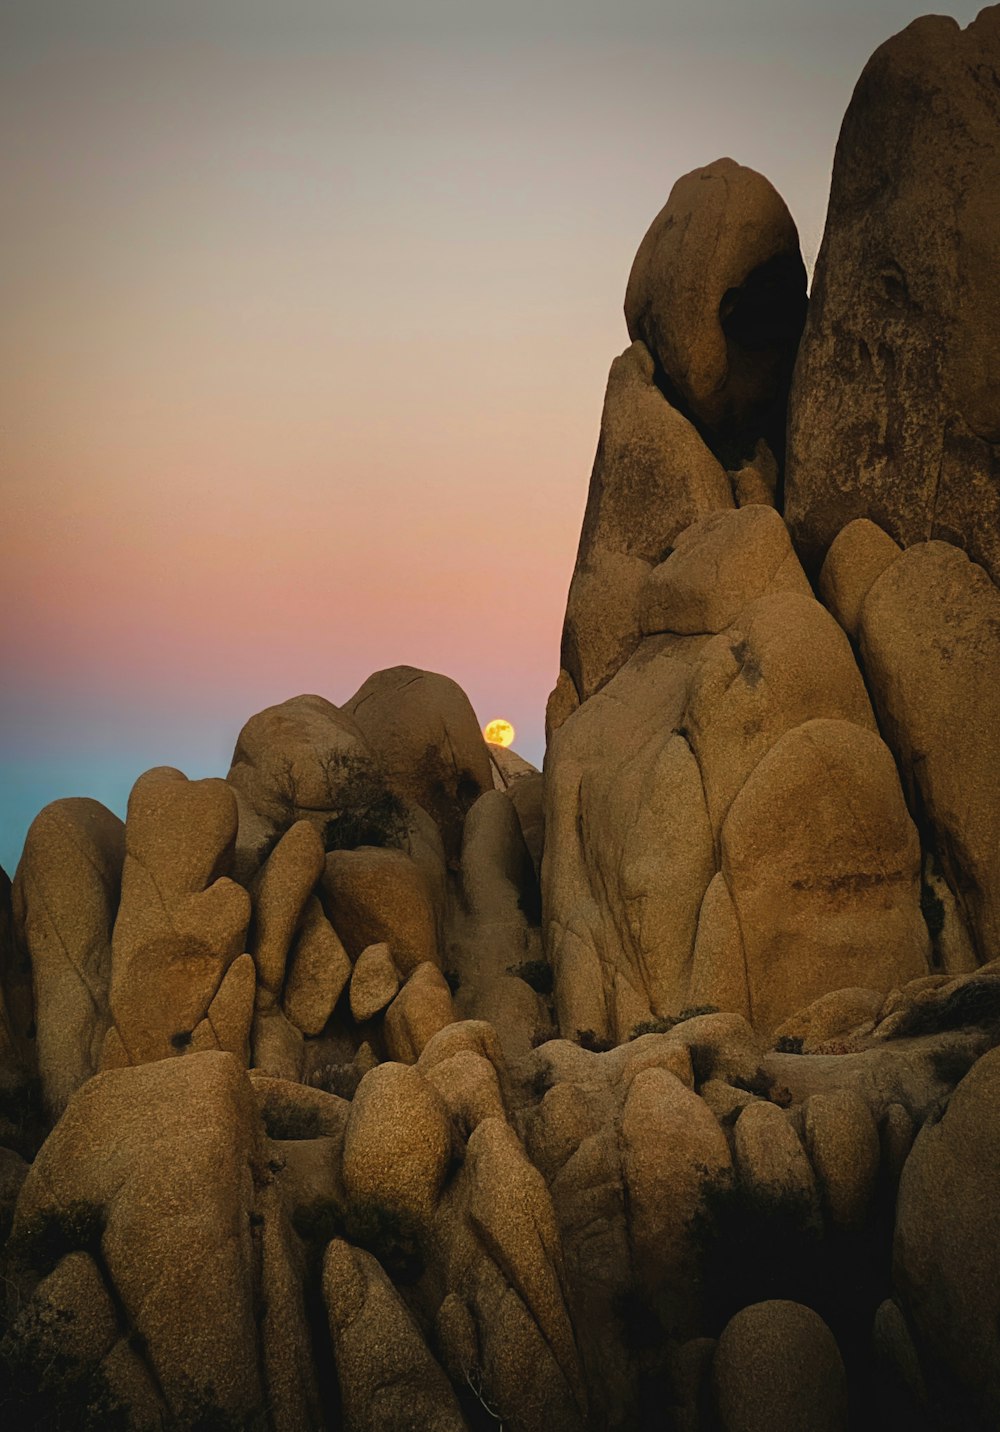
(390, 1083)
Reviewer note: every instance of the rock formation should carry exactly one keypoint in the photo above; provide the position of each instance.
(390, 1083)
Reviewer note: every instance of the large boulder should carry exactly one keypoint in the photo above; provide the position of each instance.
(717, 293)
(653, 475)
(176, 973)
(929, 634)
(307, 759)
(822, 864)
(158, 1176)
(65, 899)
(777, 1366)
(895, 406)
(389, 1382)
(424, 732)
(946, 1255)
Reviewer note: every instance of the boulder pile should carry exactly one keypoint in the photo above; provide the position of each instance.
(391, 1084)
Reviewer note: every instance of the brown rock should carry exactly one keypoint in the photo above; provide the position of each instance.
(318, 972)
(778, 1366)
(562, 702)
(398, 1143)
(374, 982)
(930, 643)
(65, 898)
(422, 1007)
(652, 476)
(843, 1146)
(308, 760)
(389, 1382)
(823, 864)
(719, 565)
(181, 922)
(895, 413)
(425, 734)
(839, 1012)
(629, 850)
(375, 896)
(945, 1256)
(280, 894)
(859, 555)
(783, 662)
(166, 1163)
(674, 1157)
(772, 1165)
(717, 293)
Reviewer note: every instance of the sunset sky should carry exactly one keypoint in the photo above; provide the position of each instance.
(307, 315)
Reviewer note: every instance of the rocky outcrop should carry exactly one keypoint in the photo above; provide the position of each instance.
(895, 408)
(402, 1085)
(653, 475)
(945, 1250)
(65, 899)
(427, 740)
(177, 976)
(717, 293)
(147, 1223)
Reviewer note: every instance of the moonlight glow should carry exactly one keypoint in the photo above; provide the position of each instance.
(499, 732)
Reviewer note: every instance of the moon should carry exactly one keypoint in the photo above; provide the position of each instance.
(499, 732)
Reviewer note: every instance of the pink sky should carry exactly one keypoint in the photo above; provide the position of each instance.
(307, 329)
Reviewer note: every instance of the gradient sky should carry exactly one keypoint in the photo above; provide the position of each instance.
(308, 310)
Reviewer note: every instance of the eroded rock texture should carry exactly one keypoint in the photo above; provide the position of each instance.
(391, 1083)
(895, 411)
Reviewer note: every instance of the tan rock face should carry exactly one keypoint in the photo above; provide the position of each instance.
(777, 1365)
(397, 1144)
(65, 899)
(281, 891)
(162, 1170)
(859, 555)
(376, 896)
(749, 554)
(181, 923)
(426, 737)
(895, 413)
(422, 1008)
(319, 970)
(374, 982)
(653, 475)
(945, 1251)
(717, 293)
(823, 865)
(389, 1382)
(783, 662)
(929, 635)
(307, 759)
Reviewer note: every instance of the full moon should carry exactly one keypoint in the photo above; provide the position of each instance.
(499, 732)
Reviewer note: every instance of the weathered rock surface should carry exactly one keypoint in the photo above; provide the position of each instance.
(653, 475)
(65, 900)
(777, 1365)
(946, 1246)
(895, 407)
(425, 735)
(717, 293)
(389, 1382)
(580, 1101)
(181, 924)
(929, 634)
(153, 1195)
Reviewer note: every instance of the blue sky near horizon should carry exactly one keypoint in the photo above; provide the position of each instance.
(309, 309)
